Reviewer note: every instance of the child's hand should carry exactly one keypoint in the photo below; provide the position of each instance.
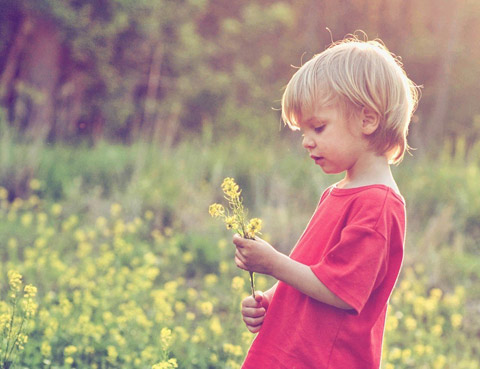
(254, 310)
(255, 255)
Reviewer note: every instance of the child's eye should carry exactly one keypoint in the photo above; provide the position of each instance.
(319, 128)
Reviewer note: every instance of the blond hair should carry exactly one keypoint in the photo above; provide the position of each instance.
(354, 74)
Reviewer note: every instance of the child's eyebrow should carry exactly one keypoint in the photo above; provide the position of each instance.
(315, 120)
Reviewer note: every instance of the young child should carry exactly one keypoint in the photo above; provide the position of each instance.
(353, 103)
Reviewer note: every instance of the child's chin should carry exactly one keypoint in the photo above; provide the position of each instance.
(331, 171)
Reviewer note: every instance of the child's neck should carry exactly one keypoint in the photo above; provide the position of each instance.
(372, 170)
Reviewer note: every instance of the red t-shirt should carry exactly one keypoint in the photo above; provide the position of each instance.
(354, 245)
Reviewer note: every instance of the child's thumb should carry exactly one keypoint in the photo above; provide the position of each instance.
(261, 298)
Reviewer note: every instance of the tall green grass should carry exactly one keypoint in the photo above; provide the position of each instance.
(281, 185)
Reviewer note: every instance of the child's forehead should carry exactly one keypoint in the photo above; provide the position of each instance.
(318, 113)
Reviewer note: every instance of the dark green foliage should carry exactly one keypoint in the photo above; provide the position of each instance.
(164, 69)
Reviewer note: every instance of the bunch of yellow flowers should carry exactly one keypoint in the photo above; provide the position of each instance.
(14, 318)
(235, 215)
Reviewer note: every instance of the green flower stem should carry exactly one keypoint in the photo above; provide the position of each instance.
(8, 349)
(252, 283)
(252, 276)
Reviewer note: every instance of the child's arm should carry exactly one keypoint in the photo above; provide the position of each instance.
(269, 293)
(259, 256)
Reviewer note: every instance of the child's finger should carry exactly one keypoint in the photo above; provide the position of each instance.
(254, 329)
(240, 263)
(250, 301)
(253, 312)
(261, 299)
(238, 240)
(253, 322)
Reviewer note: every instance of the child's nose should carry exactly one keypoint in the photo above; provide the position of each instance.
(307, 142)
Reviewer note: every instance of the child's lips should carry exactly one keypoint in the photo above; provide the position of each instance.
(316, 158)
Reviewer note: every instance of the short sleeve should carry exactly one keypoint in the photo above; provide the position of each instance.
(352, 267)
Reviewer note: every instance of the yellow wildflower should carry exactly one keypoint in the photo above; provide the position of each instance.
(437, 330)
(216, 210)
(12, 243)
(230, 188)
(419, 349)
(395, 354)
(42, 218)
(253, 227)
(206, 308)
(69, 360)
(26, 219)
(3, 193)
(17, 203)
(436, 293)
(406, 354)
(181, 333)
(439, 362)
(456, 320)
(33, 200)
(30, 291)
(112, 354)
(410, 323)
(391, 323)
(231, 364)
(237, 219)
(238, 283)
(180, 306)
(4, 321)
(70, 350)
(211, 279)
(56, 209)
(40, 243)
(46, 349)
(101, 222)
(35, 184)
(187, 257)
(192, 293)
(232, 349)
(21, 341)
(452, 301)
(166, 364)
(14, 280)
(166, 337)
(216, 326)
(231, 222)
(190, 316)
(200, 335)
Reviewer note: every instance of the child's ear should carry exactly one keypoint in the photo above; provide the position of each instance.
(370, 121)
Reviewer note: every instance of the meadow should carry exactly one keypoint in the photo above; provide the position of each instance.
(132, 272)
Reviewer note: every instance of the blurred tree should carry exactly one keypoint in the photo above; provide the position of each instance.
(164, 69)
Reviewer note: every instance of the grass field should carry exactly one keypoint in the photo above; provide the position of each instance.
(132, 272)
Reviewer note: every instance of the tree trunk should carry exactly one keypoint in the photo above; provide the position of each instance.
(40, 73)
(69, 106)
(12, 60)
(150, 115)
